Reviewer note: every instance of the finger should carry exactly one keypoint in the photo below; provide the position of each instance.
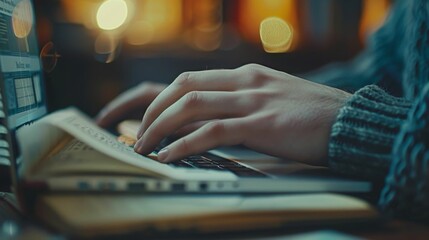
(190, 128)
(225, 132)
(210, 80)
(194, 106)
(135, 99)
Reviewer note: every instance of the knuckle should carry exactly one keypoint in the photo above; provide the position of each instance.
(257, 96)
(257, 74)
(270, 118)
(259, 79)
(216, 129)
(251, 66)
(184, 146)
(192, 99)
(257, 99)
(183, 79)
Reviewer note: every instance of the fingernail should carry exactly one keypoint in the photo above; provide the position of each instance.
(138, 147)
(163, 154)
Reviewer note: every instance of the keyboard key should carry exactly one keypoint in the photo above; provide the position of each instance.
(182, 164)
(212, 162)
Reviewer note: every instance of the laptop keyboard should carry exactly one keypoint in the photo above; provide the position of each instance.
(212, 162)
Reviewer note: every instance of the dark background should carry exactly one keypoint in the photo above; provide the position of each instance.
(329, 30)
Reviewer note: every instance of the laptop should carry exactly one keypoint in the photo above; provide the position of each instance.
(224, 170)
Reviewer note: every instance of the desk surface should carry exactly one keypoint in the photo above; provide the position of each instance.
(395, 229)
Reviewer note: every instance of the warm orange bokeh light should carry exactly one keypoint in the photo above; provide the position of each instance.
(373, 15)
(252, 12)
(112, 14)
(204, 24)
(81, 11)
(276, 35)
(200, 23)
(155, 21)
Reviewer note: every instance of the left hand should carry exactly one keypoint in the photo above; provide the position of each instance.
(261, 108)
(136, 99)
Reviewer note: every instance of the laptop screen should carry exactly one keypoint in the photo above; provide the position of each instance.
(22, 94)
(20, 69)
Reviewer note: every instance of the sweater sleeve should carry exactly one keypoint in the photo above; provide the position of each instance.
(384, 138)
(362, 137)
(406, 192)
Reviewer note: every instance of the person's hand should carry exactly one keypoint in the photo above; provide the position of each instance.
(136, 99)
(258, 107)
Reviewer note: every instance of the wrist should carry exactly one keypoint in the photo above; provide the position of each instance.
(339, 101)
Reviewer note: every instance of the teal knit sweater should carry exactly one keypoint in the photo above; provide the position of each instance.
(382, 132)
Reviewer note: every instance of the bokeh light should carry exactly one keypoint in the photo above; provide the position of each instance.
(205, 24)
(142, 33)
(252, 12)
(157, 21)
(112, 14)
(276, 35)
(373, 16)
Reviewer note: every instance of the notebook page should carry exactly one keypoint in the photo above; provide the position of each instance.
(82, 128)
(77, 157)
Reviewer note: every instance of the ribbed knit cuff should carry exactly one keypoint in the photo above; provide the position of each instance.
(363, 134)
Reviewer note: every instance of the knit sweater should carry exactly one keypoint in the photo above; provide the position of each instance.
(382, 132)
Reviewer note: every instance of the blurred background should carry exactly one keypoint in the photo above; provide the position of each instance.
(108, 46)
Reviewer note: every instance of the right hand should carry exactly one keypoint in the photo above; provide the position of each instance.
(136, 99)
(261, 108)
